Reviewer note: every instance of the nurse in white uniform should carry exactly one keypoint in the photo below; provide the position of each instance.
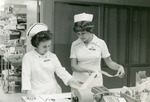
(39, 65)
(87, 51)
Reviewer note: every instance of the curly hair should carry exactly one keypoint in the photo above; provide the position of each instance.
(40, 37)
(83, 26)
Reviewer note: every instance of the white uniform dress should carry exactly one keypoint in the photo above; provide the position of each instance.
(38, 73)
(89, 57)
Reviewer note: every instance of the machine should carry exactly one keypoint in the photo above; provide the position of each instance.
(95, 94)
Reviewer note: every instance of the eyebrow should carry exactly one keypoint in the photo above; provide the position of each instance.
(45, 46)
(81, 32)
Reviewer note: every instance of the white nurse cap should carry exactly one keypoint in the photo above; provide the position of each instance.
(35, 28)
(83, 17)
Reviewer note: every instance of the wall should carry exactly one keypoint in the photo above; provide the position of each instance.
(125, 30)
(115, 23)
(140, 3)
(47, 15)
(31, 18)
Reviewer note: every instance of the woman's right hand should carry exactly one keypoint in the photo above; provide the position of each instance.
(73, 81)
(30, 95)
(90, 71)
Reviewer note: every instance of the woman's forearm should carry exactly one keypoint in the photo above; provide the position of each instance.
(113, 65)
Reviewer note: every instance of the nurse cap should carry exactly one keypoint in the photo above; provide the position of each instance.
(35, 28)
(83, 17)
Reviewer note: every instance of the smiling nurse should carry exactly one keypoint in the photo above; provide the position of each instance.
(87, 51)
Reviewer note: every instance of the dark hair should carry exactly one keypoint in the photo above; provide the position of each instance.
(83, 26)
(40, 37)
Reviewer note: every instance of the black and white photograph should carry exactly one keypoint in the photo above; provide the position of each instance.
(74, 51)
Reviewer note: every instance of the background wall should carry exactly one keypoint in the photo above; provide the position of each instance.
(31, 18)
(124, 26)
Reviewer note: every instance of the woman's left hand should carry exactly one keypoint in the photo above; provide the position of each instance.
(120, 72)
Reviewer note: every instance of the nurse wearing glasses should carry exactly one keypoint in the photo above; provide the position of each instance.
(39, 65)
(88, 50)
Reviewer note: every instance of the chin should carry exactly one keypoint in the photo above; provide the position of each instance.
(43, 53)
(84, 41)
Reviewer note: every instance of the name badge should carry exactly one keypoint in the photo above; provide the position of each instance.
(92, 48)
(46, 60)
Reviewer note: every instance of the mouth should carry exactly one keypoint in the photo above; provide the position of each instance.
(82, 39)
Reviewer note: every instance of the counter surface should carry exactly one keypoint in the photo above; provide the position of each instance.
(64, 97)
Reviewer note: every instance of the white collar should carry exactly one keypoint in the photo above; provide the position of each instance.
(39, 55)
(94, 40)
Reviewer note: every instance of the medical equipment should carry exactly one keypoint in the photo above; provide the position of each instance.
(92, 94)
(95, 94)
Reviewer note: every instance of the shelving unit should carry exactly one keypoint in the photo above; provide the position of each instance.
(15, 29)
(11, 79)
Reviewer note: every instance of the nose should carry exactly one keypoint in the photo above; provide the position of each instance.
(80, 35)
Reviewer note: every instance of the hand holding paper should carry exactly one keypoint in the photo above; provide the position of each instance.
(120, 72)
